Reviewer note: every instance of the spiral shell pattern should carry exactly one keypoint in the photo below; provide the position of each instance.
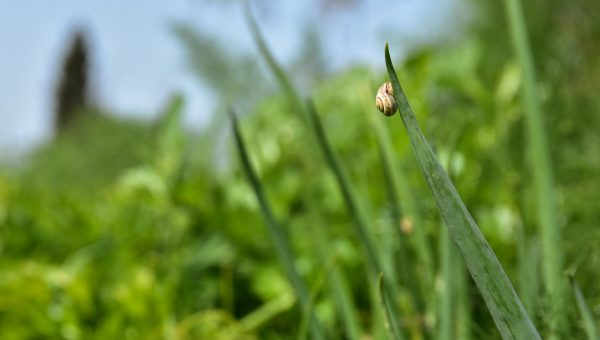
(385, 99)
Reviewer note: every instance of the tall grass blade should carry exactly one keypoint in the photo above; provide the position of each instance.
(360, 226)
(373, 262)
(408, 272)
(352, 326)
(528, 264)
(391, 326)
(499, 295)
(541, 170)
(343, 295)
(315, 291)
(399, 195)
(464, 314)
(282, 246)
(339, 289)
(257, 318)
(277, 70)
(445, 308)
(591, 329)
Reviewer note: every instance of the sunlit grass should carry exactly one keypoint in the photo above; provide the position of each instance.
(502, 301)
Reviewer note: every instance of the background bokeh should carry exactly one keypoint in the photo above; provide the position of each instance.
(124, 212)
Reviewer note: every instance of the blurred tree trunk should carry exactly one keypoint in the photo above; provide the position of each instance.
(72, 90)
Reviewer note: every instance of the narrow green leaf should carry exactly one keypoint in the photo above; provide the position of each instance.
(399, 195)
(528, 263)
(373, 261)
(360, 226)
(255, 319)
(499, 295)
(407, 268)
(343, 297)
(352, 326)
(542, 180)
(338, 287)
(589, 324)
(391, 326)
(277, 70)
(309, 308)
(278, 234)
(464, 315)
(445, 314)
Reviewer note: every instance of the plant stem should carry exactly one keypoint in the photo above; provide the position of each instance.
(541, 170)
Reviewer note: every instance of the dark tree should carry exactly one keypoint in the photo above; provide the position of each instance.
(72, 89)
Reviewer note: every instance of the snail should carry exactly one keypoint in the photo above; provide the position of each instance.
(385, 99)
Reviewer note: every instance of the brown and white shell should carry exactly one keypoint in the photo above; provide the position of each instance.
(385, 99)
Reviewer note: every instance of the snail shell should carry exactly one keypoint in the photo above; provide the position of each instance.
(385, 99)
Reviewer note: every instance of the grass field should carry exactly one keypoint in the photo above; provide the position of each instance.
(473, 213)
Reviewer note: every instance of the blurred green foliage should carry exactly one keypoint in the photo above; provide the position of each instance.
(122, 229)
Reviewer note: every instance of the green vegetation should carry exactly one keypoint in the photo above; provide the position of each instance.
(312, 218)
(497, 291)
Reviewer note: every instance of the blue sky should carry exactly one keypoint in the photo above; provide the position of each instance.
(33, 35)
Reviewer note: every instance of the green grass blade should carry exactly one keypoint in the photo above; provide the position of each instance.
(343, 296)
(528, 264)
(499, 295)
(268, 311)
(282, 246)
(391, 326)
(360, 226)
(552, 263)
(317, 288)
(445, 306)
(373, 261)
(339, 289)
(277, 70)
(464, 315)
(408, 272)
(399, 195)
(589, 324)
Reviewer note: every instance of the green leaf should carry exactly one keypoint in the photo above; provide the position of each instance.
(278, 234)
(542, 177)
(588, 319)
(446, 296)
(360, 224)
(373, 261)
(277, 70)
(499, 295)
(391, 326)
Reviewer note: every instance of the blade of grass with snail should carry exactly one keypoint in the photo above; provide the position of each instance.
(498, 293)
(282, 247)
(591, 329)
(542, 182)
(399, 194)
